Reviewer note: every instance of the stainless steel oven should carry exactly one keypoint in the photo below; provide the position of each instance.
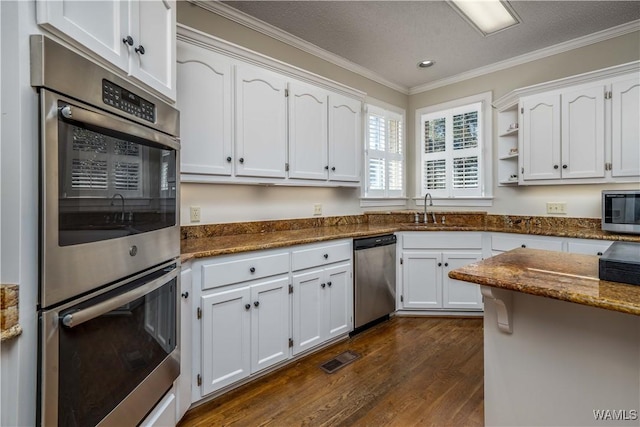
(109, 242)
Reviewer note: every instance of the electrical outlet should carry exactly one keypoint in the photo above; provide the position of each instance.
(556, 208)
(195, 213)
(317, 209)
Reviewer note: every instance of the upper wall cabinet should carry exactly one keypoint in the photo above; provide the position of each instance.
(579, 130)
(246, 122)
(137, 37)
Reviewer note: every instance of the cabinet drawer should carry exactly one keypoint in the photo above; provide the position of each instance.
(236, 269)
(442, 240)
(508, 242)
(588, 247)
(317, 255)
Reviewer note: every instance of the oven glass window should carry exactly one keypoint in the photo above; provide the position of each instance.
(112, 185)
(104, 359)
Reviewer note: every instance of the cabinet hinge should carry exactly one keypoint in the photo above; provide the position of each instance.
(608, 94)
(199, 313)
(290, 289)
(290, 342)
(608, 166)
(522, 170)
(521, 110)
(286, 167)
(286, 93)
(401, 261)
(401, 298)
(199, 380)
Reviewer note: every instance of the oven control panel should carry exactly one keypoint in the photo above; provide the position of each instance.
(123, 100)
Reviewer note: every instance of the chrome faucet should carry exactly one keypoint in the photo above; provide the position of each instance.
(112, 204)
(433, 215)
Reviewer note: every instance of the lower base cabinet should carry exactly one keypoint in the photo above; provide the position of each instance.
(244, 330)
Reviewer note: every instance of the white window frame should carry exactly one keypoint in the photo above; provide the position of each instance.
(385, 197)
(483, 196)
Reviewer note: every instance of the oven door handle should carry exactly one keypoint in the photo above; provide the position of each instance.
(73, 113)
(79, 317)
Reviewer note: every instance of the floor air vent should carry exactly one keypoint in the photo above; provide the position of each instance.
(339, 361)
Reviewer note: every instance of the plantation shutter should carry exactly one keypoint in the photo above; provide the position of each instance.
(384, 154)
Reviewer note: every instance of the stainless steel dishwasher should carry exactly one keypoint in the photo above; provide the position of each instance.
(375, 280)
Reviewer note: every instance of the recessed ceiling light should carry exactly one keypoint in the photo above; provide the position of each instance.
(426, 63)
(487, 16)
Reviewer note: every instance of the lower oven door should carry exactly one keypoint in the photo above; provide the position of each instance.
(109, 358)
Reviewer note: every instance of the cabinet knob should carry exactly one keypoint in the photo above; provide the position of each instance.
(564, 166)
(322, 285)
(446, 264)
(326, 167)
(523, 245)
(247, 306)
(229, 159)
(555, 166)
(326, 256)
(439, 264)
(333, 169)
(241, 159)
(256, 303)
(599, 254)
(128, 40)
(329, 284)
(140, 50)
(185, 295)
(252, 269)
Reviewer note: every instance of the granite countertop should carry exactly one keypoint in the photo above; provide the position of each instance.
(557, 275)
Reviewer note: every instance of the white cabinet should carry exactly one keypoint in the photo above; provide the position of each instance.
(541, 137)
(345, 141)
(502, 242)
(588, 247)
(585, 133)
(322, 294)
(204, 89)
(260, 118)
(625, 126)
(137, 37)
(182, 385)
(308, 144)
(426, 260)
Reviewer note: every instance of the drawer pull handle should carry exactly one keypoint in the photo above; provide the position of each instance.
(257, 303)
(322, 285)
(326, 256)
(523, 245)
(247, 306)
(252, 269)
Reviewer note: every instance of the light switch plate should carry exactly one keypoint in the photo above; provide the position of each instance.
(555, 208)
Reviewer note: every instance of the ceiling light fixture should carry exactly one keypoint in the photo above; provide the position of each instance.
(486, 16)
(426, 63)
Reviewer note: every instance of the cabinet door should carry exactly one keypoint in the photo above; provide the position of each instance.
(152, 56)
(307, 132)
(345, 142)
(338, 303)
(541, 137)
(269, 323)
(625, 110)
(456, 293)
(588, 247)
(204, 100)
(226, 338)
(422, 279)
(583, 132)
(99, 26)
(260, 123)
(307, 310)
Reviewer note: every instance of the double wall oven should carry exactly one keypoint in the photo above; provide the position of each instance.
(109, 243)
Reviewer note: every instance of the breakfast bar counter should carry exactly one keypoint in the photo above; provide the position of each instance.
(561, 347)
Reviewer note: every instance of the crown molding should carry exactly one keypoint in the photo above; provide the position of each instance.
(248, 21)
(576, 43)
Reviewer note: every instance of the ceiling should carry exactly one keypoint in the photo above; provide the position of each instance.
(389, 38)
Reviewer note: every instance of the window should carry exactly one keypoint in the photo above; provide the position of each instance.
(454, 149)
(384, 154)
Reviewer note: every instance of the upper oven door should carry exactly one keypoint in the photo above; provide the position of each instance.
(109, 198)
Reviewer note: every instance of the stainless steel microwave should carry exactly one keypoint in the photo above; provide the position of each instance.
(621, 211)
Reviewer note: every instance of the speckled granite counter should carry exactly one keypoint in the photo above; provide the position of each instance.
(561, 276)
(218, 239)
(9, 326)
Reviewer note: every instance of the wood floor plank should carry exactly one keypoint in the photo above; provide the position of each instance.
(413, 371)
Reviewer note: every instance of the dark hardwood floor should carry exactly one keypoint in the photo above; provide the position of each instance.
(413, 371)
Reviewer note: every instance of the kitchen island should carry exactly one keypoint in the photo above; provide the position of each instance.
(561, 347)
